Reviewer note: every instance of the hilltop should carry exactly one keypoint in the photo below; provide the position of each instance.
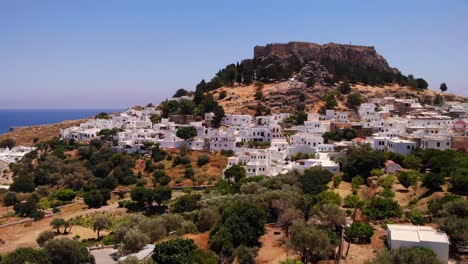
(281, 77)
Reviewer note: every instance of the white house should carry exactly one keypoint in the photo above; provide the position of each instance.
(419, 236)
(312, 140)
(436, 142)
(321, 160)
(237, 120)
(400, 146)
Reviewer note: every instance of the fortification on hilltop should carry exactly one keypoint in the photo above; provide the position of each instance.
(284, 49)
(354, 55)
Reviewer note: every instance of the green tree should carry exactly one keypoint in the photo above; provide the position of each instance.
(258, 95)
(406, 255)
(241, 223)
(345, 88)
(24, 184)
(134, 240)
(416, 217)
(175, 251)
(443, 87)
(10, 199)
(245, 255)
(459, 181)
(94, 199)
(157, 153)
(7, 143)
(206, 218)
(218, 116)
(328, 215)
(314, 180)
(235, 172)
(361, 161)
(186, 203)
(286, 219)
(141, 195)
(205, 257)
(203, 160)
(162, 194)
(222, 95)
(352, 201)
(65, 250)
(65, 195)
(180, 92)
(310, 243)
(354, 100)
(407, 179)
(100, 223)
(411, 162)
(421, 84)
(44, 236)
(26, 255)
(433, 180)
(186, 132)
(382, 208)
(57, 223)
(155, 119)
(330, 101)
(438, 100)
(359, 233)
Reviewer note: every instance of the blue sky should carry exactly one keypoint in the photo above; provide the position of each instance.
(113, 54)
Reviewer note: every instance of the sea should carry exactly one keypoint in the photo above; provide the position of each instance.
(31, 117)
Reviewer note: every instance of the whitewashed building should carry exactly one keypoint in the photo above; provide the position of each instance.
(419, 236)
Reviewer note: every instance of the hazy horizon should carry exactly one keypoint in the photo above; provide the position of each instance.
(115, 54)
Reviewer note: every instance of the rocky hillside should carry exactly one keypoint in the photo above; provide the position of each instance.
(286, 96)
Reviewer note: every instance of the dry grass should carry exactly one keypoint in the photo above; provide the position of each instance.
(200, 239)
(238, 97)
(25, 135)
(207, 174)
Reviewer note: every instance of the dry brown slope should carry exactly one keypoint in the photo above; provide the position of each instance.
(25, 135)
(282, 96)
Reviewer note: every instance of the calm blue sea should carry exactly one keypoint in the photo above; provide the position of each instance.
(31, 117)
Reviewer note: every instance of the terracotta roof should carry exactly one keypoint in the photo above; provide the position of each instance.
(357, 139)
(389, 162)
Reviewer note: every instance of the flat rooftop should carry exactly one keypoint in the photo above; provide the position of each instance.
(416, 234)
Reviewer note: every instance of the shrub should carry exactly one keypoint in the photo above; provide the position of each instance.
(359, 233)
(186, 203)
(45, 236)
(222, 95)
(357, 182)
(353, 201)
(315, 180)
(416, 217)
(65, 195)
(382, 208)
(337, 180)
(175, 251)
(387, 193)
(406, 255)
(202, 160)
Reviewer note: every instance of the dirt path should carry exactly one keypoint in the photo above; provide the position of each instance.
(272, 249)
(24, 235)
